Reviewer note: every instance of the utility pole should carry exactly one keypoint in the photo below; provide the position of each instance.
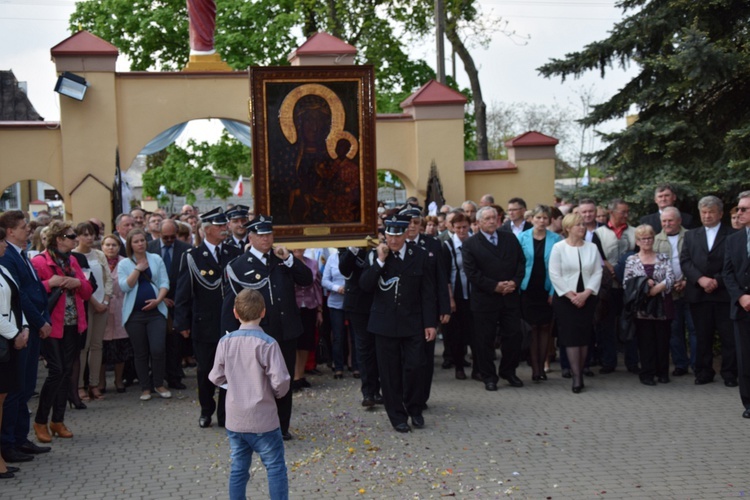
(439, 35)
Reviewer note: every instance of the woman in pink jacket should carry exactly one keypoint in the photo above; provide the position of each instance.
(57, 269)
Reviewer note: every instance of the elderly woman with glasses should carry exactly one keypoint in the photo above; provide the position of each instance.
(68, 288)
(652, 324)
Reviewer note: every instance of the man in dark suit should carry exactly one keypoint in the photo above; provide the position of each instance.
(237, 217)
(357, 305)
(170, 249)
(198, 302)
(516, 222)
(702, 262)
(403, 317)
(664, 196)
(494, 264)
(737, 280)
(16, 446)
(273, 271)
(123, 225)
(443, 306)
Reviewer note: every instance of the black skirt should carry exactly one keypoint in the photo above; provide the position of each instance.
(116, 351)
(10, 379)
(575, 327)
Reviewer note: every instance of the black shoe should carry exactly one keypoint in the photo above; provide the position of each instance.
(589, 372)
(368, 402)
(32, 449)
(303, 383)
(460, 374)
(648, 381)
(287, 436)
(12, 470)
(378, 399)
(634, 369)
(606, 369)
(663, 380)
(417, 421)
(204, 422)
(447, 364)
(402, 427)
(176, 385)
(730, 382)
(490, 386)
(295, 386)
(566, 373)
(536, 378)
(577, 389)
(7, 475)
(679, 372)
(746, 413)
(513, 381)
(703, 380)
(14, 456)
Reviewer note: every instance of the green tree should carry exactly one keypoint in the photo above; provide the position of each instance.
(213, 167)
(692, 95)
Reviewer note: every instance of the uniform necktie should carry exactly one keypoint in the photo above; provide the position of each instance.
(217, 251)
(267, 258)
(493, 239)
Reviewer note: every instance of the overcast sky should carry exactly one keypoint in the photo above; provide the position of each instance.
(29, 28)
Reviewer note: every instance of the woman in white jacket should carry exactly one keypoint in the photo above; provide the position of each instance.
(575, 270)
(15, 334)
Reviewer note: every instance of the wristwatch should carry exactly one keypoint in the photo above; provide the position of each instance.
(106, 302)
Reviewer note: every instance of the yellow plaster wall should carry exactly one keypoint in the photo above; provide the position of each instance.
(441, 141)
(89, 144)
(395, 151)
(30, 153)
(534, 182)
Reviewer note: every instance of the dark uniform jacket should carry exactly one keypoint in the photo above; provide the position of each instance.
(198, 298)
(351, 267)
(435, 256)
(486, 264)
(276, 283)
(697, 261)
(231, 241)
(737, 272)
(404, 301)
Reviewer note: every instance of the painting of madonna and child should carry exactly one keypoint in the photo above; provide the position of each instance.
(313, 154)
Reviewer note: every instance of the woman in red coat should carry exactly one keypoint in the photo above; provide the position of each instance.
(57, 269)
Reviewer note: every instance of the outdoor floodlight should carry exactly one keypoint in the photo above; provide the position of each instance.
(71, 85)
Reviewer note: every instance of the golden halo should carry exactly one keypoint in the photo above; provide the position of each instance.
(337, 117)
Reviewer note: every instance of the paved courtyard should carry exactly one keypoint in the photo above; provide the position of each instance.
(618, 439)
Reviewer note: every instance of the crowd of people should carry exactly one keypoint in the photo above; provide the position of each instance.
(158, 293)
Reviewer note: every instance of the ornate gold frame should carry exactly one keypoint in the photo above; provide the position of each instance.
(314, 151)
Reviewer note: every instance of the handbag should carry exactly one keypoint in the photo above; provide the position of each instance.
(54, 298)
(4, 350)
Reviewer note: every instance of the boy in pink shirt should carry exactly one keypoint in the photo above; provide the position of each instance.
(250, 365)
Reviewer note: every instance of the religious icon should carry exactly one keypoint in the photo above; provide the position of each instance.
(313, 154)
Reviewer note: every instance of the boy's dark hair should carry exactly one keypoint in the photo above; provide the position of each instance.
(249, 304)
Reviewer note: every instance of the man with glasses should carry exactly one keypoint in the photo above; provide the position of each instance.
(170, 249)
(737, 279)
(516, 222)
(702, 261)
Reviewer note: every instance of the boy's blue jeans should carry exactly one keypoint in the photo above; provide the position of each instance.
(270, 447)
